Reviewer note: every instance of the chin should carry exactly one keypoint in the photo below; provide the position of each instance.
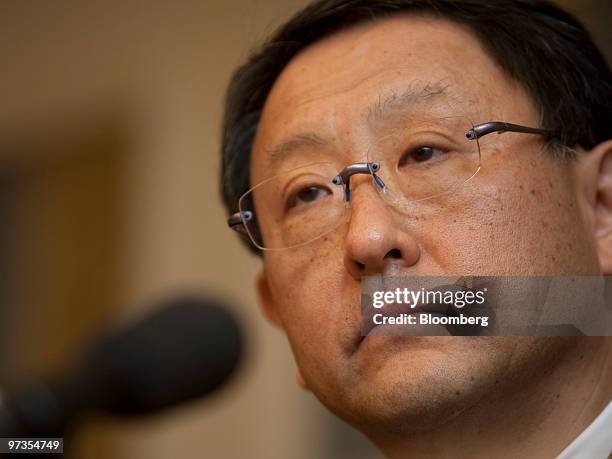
(405, 390)
(415, 384)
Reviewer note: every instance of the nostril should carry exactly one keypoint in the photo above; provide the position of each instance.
(359, 265)
(394, 253)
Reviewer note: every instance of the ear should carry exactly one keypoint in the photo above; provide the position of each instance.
(266, 303)
(600, 163)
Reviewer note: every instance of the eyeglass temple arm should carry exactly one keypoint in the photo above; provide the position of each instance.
(501, 127)
(237, 220)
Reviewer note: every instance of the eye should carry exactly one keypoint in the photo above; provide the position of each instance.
(422, 154)
(307, 196)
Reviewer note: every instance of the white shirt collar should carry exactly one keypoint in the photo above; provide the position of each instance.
(596, 440)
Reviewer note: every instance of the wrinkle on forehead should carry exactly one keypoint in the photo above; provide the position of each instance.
(418, 92)
(419, 98)
(361, 55)
(371, 58)
(406, 91)
(373, 72)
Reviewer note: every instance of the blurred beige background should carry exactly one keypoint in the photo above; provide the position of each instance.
(109, 144)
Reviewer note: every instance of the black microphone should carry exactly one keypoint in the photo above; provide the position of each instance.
(185, 349)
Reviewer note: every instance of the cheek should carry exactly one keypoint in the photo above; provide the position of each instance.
(517, 218)
(308, 288)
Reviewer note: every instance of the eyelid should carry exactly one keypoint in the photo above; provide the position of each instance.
(430, 138)
(307, 177)
(408, 152)
(294, 196)
(287, 196)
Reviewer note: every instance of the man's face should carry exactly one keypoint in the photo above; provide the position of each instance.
(522, 214)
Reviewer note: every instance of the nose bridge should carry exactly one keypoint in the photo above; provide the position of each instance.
(369, 216)
(364, 195)
(375, 236)
(355, 170)
(370, 219)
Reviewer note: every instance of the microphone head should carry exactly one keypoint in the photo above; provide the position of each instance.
(184, 349)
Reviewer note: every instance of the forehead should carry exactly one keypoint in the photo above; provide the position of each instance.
(333, 91)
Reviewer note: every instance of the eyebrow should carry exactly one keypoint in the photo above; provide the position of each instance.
(284, 149)
(386, 105)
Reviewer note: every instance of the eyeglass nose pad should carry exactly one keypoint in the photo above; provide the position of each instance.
(347, 195)
(344, 177)
(379, 183)
(373, 168)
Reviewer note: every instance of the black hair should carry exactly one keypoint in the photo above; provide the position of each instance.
(541, 46)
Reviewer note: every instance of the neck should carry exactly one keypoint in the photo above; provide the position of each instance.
(539, 420)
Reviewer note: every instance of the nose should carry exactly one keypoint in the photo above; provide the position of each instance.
(376, 242)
